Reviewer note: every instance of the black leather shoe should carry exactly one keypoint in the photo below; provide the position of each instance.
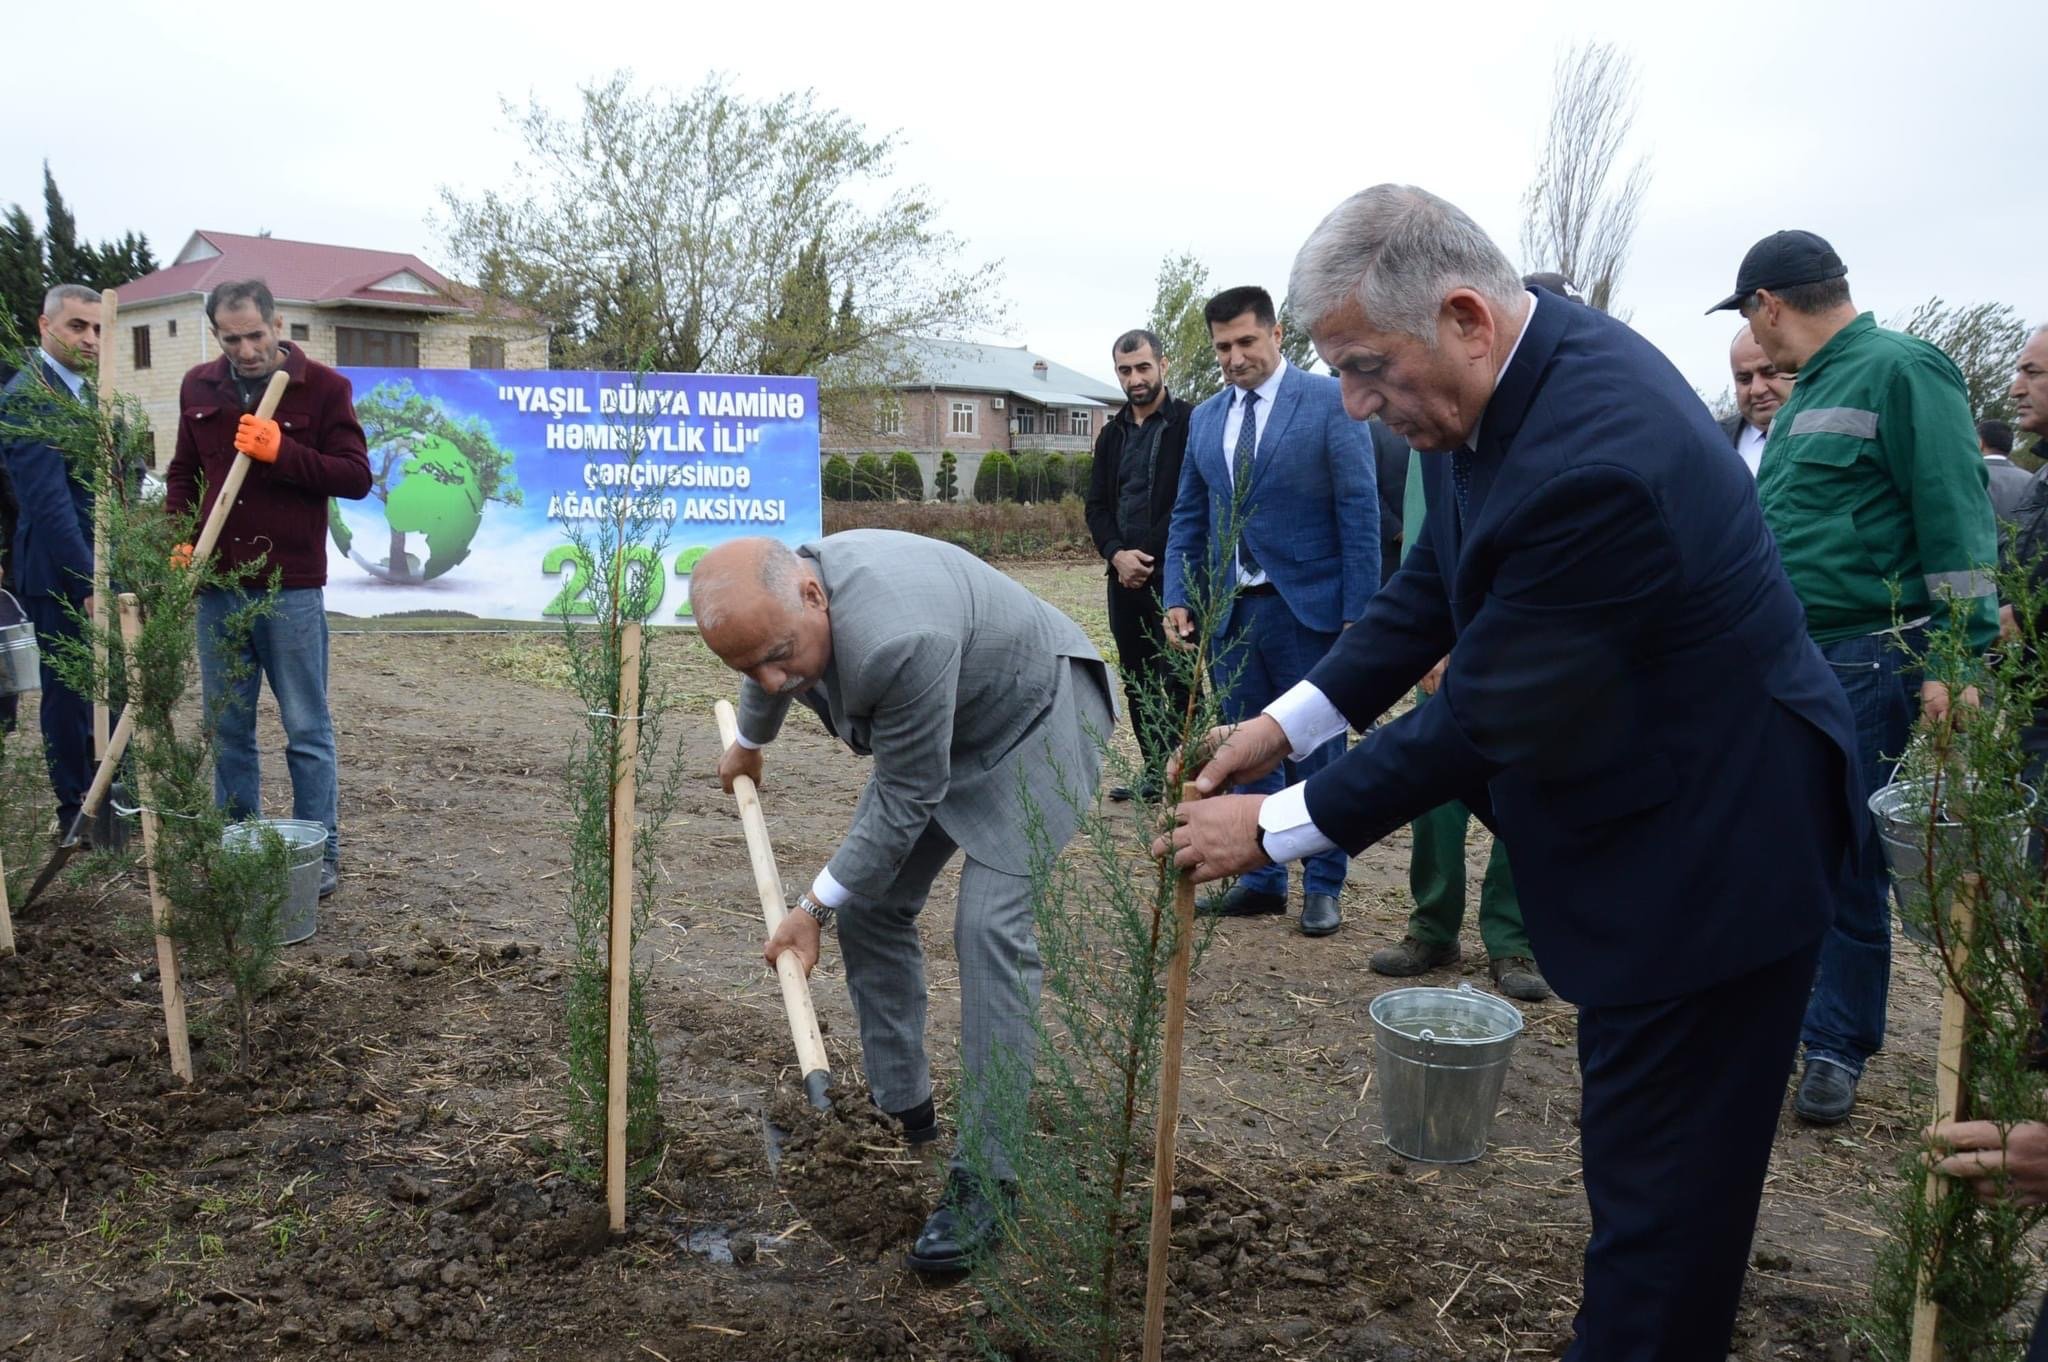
(1242, 902)
(1120, 794)
(1827, 1094)
(1320, 915)
(966, 1226)
(920, 1123)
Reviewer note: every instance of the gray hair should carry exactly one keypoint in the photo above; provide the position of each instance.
(54, 300)
(780, 578)
(1396, 251)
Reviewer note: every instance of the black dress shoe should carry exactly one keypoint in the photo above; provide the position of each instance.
(1827, 1093)
(966, 1226)
(1320, 914)
(1242, 902)
(1120, 794)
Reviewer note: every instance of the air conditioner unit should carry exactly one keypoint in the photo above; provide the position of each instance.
(995, 404)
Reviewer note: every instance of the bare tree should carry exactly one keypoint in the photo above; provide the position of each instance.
(1577, 219)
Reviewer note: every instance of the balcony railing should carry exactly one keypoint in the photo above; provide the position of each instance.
(1064, 444)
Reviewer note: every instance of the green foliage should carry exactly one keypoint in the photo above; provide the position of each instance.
(1080, 472)
(837, 479)
(906, 479)
(870, 478)
(397, 419)
(1182, 291)
(1969, 818)
(23, 275)
(1081, 1137)
(1031, 479)
(32, 263)
(996, 479)
(1984, 340)
(946, 486)
(620, 551)
(993, 530)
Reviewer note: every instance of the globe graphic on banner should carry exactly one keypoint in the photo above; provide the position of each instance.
(436, 498)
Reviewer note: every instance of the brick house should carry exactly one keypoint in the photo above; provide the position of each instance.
(342, 304)
(971, 398)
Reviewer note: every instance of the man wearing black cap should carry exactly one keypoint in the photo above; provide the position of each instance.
(1873, 479)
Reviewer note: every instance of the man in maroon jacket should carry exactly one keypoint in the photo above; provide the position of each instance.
(312, 450)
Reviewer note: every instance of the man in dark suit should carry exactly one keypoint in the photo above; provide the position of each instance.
(51, 553)
(1130, 503)
(1631, 702)
(1276, 504)
(1759, 391)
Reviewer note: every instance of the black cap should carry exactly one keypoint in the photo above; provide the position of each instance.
(1559, 284)
(1783, 260)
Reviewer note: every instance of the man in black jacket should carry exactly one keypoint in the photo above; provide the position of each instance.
(1130, 503)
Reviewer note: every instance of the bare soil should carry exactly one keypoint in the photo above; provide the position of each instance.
(388, 1182)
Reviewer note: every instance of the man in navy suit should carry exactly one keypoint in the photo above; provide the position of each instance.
(1276, 501)
(50, 560)
(1631, 702)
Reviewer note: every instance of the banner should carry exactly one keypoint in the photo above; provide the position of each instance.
(480, 478)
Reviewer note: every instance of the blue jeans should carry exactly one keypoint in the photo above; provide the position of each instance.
(289, 646)
(1845, 1014)
(1264, 652)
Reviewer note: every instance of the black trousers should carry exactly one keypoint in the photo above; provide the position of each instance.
(66, 715)
(1679, 1107)
(1135, 621)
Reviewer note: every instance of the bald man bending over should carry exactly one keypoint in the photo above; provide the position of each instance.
(983, 708)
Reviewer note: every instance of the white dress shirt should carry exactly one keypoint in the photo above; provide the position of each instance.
(1233, 422)
(76, 381)
(1309, 720)
(1750, 445)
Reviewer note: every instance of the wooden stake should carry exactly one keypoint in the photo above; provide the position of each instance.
(796, 990)
(621, 954)
(176, 1037)
(6, 918)
(102, 607)
(1948, 1097)
(1169, 1106)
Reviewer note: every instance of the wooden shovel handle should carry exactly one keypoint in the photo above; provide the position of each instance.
(217, 518)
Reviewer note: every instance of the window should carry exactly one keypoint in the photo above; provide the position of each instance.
(171, 328)
(963, 417)
(300, 331)
(1052, 420)
(353, 345)
(1083, 422)
(890, 420)
(142, 347)
(486, 352)
(1027, 421)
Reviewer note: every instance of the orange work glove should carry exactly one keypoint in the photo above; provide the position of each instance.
(258, 438)
(181, 557)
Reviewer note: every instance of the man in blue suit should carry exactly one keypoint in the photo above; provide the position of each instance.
(1631, 702)
(1276, 500)
(50, 560)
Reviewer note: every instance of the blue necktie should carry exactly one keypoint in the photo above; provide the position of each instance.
(1241, 476)
(1461, 480)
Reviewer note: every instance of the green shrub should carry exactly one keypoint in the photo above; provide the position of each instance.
(1080, 472)
(946, 487)
(996, 479)
(1030, 486)
(905, 477)
(994, 530)
(837, 480)
(1058, 477)
(870, 478)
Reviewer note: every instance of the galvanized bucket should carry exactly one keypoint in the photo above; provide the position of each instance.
(20, 668)
(1903, 828)
(306, 842)
(1443, 1053)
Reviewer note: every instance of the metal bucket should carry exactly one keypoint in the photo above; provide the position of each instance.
(19, 662)
(306, 843)
(1443, 1053)
(1900, 811)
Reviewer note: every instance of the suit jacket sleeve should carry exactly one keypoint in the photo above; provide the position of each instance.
(917, 677)
(1353, 476)
(760, 714)
(1101, 506)
(1187, 536)
(1589, 556)
(1173, 448)
(44, 492)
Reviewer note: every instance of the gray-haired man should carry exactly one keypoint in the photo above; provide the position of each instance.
(984, 709)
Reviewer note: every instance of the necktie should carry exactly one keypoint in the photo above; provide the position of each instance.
(1461, 480)
(1241, 476)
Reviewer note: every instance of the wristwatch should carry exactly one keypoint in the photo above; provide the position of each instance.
(818, 911)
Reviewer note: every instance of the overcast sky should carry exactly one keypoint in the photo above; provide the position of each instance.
(1079, 143)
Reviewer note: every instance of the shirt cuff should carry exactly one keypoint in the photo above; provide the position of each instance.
(1308, 719)
(745, 742)
(1289, 834)
(830, 892)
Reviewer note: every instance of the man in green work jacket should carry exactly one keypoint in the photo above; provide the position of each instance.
(1873, 482)
(1436, 865)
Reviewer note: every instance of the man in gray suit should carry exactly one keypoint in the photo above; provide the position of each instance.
(1759, 391)
(985, 710)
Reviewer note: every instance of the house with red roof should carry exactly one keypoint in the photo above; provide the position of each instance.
(342, 305)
